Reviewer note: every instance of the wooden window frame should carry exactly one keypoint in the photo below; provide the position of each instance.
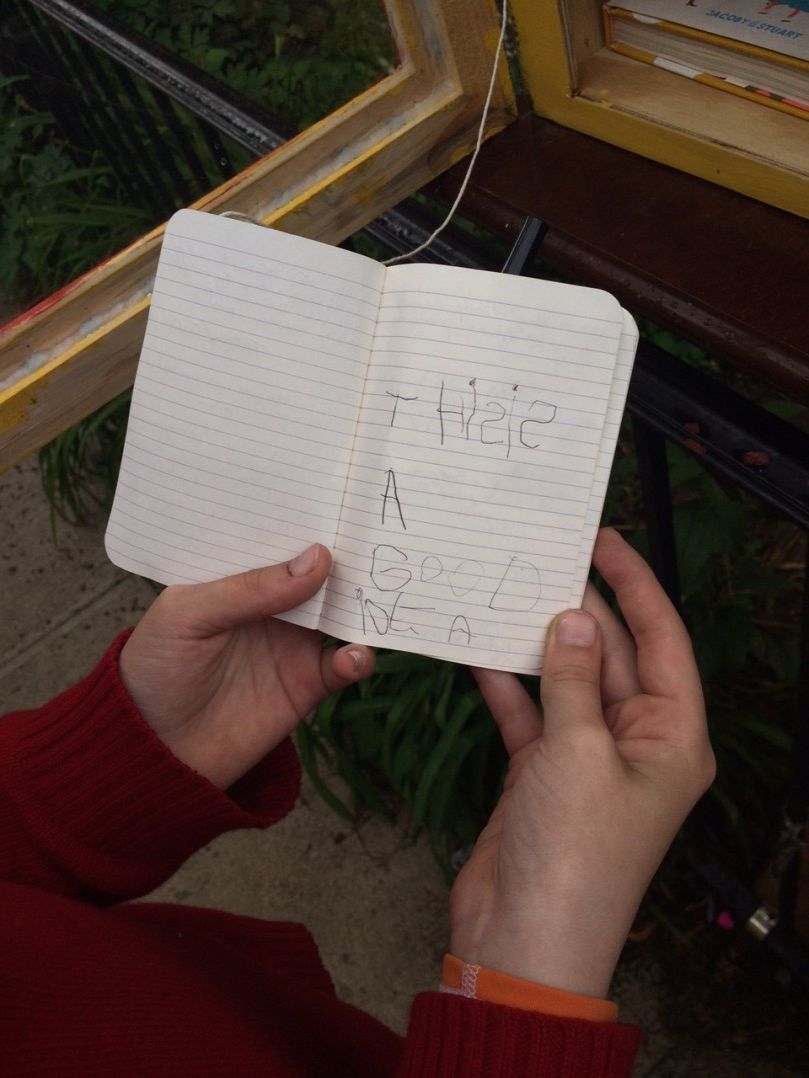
(77, 349)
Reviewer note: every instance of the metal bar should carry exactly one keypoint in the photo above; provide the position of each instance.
(653, 471)
(408, 225)
(755, 449)
(526, 245)
(226, 110)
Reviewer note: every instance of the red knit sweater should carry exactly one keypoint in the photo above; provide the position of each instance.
(94, 810)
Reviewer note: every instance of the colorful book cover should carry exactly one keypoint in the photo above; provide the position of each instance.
(766, 24)
(703, 57)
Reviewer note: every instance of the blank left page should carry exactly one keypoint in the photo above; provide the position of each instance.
(245, 402)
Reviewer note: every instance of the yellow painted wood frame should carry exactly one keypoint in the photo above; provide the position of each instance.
(76, 350)
(576, 80)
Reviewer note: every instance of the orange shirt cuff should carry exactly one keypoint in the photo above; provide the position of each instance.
(478, 982)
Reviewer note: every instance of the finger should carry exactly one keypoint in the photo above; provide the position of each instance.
(570, 687)
(512, 708)
(254, 595)
(344, 665)
(619, 658)
(666, 665)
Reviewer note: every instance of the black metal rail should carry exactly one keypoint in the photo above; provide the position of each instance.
(750, 446)
(212, 101)
(93, 75)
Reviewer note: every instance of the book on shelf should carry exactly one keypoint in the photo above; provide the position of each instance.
(448, 433)
(732, 45)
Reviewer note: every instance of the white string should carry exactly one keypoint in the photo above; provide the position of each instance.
(487, 104)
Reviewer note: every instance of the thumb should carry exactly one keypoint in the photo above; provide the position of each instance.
(256, 594)
(570, 688)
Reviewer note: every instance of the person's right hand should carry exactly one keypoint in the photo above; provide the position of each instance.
(597, 786)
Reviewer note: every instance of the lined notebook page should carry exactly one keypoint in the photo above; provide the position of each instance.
(612, 428)
(479, 436)
(245, 402)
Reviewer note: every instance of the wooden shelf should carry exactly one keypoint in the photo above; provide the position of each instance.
(577, 81)
(724, 271)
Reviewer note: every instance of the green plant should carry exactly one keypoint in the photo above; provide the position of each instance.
(415, 734)
(741, 596)
(79, 469)
(298, 61)
(741, 576)
(59, 218)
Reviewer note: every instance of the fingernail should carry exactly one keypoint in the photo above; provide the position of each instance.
(577, 629)
(304, 563)
(358, 659)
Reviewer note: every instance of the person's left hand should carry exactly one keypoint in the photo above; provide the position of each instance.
(221, 681)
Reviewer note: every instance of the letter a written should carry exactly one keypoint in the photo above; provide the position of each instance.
(392, 494)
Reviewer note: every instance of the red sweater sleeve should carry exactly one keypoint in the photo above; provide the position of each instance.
(456, 1037)
(93, 805)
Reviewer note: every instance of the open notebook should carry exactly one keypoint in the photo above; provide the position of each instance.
(447, 433)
